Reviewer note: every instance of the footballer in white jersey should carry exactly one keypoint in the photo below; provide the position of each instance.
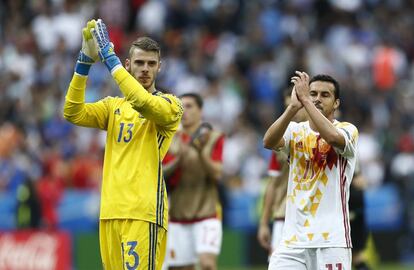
(322, 156)
(318, 188)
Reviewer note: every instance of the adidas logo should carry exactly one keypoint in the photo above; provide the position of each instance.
(117, 111)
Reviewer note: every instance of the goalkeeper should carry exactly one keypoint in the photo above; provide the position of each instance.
(140, 126)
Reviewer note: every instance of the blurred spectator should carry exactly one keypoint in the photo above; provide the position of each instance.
(151, 17)
(370, 158)
(28, 214)
(50, 187)
(44, 29)
(388, 64)
(86, 172)
(68, 24)
(12, 174)
(402, 165)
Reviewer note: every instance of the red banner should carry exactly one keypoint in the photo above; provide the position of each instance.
(35, 250)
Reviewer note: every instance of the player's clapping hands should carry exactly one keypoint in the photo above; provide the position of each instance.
(301, 85)
(200, 141)
(294, 101)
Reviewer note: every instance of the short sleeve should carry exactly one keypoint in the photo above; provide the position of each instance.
(287, 136)
(350, 133)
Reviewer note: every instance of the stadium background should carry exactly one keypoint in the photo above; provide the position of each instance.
(238, 55)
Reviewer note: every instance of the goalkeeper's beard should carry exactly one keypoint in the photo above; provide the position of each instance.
(146, 83)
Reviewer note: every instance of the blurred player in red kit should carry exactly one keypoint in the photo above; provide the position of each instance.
(193, 167)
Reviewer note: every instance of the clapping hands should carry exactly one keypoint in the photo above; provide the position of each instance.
(301, 87)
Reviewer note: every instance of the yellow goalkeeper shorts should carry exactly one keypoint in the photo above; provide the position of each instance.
(131, 244)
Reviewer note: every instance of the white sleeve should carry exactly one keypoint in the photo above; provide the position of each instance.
(350, 133)
(287, 136)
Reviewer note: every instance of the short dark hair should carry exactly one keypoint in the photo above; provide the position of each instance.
(145, 44)
(327, 78)
(198, 99)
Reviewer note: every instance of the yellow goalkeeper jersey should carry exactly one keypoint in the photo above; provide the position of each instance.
(139, 128)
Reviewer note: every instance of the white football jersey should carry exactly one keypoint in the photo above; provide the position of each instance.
(318, 189)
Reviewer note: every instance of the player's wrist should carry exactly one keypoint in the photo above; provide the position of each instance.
(82, 69)
(109, 58)
(113, 63)
(305, 99)
(264, 222)
(83, 64)
(293, 108)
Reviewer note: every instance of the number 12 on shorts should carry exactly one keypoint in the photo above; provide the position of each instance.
(131, 245)
(329, 266)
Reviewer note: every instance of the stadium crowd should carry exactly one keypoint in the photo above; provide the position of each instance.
(237, 54)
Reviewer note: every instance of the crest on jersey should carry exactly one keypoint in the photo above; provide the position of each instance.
(299, 145)
(323, 146)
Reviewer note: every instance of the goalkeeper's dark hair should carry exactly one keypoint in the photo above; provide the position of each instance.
(329, 79)
(146, 44)
(198, 99)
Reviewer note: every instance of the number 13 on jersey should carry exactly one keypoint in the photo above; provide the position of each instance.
(125, 132)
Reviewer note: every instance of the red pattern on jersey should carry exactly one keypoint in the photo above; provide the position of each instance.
(324, 154)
